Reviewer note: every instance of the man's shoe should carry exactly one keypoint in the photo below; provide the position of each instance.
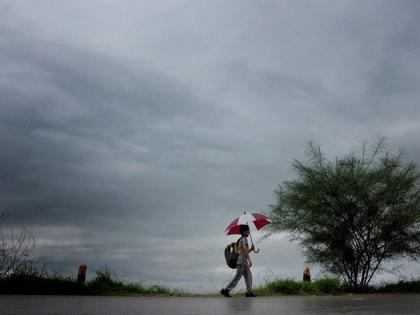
(250, 294)
(225, 292)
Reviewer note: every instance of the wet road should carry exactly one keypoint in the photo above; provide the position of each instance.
(356, 304)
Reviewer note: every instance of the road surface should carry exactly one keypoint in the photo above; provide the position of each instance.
(350, 304)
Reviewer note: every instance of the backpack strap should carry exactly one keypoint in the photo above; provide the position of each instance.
(237, 242)
(237, 245)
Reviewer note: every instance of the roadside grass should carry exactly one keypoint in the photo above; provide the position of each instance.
(294, 287)
(401, 286)
(107, 283)
(31, 280)
(34, 281)
(331, 286)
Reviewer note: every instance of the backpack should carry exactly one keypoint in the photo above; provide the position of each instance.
(231, 254)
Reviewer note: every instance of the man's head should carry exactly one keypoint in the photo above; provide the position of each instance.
(244, 230)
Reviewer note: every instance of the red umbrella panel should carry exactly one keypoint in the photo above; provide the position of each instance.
(257, 219)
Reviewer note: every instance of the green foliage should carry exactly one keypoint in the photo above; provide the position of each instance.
(332, 286)
(286, 286)
(32, 280)
(400, 287)
(352, 214)
(328, 285)
(107, 283)
(294, 287)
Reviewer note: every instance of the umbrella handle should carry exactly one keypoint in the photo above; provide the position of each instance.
(255, 250)
(252, 242)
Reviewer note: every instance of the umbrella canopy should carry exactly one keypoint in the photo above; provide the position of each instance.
(257, 219)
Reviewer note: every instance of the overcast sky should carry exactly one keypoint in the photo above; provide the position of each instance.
(133, 132)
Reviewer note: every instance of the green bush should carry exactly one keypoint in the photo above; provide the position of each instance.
(310, 288)
(286, 286)
(328, 286)
(104, 283)
(107, 283)
(32, 280)
(401, 286)
(291, 286)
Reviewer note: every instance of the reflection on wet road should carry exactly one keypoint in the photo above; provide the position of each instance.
(351, 304)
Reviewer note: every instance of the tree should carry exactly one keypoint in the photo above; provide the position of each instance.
(15, 248)
(353, 214)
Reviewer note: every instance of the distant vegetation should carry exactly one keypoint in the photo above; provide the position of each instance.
(30, 280)
(294, 287)
(15, 247)
(331, 286)
(412, 286)
(19, 275)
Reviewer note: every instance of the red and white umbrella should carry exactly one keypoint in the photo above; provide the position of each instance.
(257, 219)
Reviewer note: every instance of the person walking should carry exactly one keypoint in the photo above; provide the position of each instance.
(243, 265)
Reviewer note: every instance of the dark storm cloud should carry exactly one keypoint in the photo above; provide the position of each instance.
(131, 134)
(77, 127)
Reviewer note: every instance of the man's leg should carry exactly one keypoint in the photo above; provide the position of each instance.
(235, 280)
(248, 277)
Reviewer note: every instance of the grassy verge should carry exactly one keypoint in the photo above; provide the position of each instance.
(33, 281)
(294, 287)
(412, 286)
(331, 286)
(107, 283)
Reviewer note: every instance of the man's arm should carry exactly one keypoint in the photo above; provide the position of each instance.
(246, 253)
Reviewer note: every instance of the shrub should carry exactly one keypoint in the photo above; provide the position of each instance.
(106, 282)
(328, 286)
(290, 286)
(310, 288)
(286, 286)
(400, 287)
(30, 280)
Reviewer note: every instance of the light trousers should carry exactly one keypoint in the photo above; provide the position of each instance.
(241, 270)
